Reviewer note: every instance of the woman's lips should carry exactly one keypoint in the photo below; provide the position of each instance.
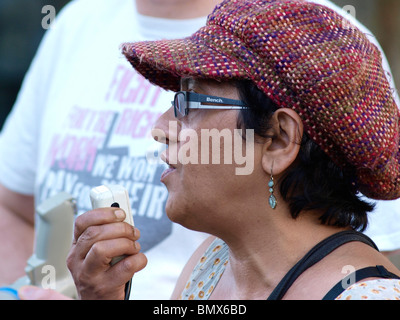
(167, 172)
(170, 168)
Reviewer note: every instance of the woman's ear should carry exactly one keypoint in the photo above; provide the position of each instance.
(282, 149)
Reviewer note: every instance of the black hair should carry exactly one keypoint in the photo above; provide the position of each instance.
(314, 181)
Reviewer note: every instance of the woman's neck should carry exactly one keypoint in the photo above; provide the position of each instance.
(176, 9)
(260, 259)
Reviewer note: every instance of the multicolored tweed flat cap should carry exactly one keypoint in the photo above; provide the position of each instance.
(306, 57)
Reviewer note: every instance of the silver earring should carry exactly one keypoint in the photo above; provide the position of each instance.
(272, 199)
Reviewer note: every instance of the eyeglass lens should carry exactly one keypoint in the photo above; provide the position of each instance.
(180, 105)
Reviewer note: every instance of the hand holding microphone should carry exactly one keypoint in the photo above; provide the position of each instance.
(105, 253)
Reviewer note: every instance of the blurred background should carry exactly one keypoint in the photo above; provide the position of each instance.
(20, 34)
(21, 31)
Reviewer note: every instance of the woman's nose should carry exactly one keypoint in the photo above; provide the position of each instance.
(166, 128)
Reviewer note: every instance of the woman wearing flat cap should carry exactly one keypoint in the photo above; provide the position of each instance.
(310, 96)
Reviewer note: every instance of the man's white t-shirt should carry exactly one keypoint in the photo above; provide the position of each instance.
(83, 118)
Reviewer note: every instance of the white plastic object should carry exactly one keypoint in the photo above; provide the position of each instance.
(46, 267)
(112, 196)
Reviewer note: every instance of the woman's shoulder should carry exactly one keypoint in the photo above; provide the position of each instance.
(321, 278)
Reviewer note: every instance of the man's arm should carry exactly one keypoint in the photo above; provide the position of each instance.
(16, 234)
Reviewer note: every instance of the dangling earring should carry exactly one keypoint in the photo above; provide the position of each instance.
(272, 199)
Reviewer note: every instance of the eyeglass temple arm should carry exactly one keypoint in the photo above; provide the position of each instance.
(202, 98)
(198, 105)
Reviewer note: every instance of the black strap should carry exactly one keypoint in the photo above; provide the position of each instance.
(359, 275)
(315, 255)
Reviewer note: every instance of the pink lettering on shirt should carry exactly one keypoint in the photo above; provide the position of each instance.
(74, 153)
(127, 86)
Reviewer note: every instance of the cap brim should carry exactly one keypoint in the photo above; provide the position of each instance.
(165, 62)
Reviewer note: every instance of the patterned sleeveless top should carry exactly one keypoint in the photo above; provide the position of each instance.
(207, 272)
(211, 266)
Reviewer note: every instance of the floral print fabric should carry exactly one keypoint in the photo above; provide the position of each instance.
(380, 289)
(207, 272)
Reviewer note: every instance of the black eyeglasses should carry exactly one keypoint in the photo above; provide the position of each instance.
(185, 100)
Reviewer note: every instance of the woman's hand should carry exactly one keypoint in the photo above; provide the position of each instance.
(99, 236)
